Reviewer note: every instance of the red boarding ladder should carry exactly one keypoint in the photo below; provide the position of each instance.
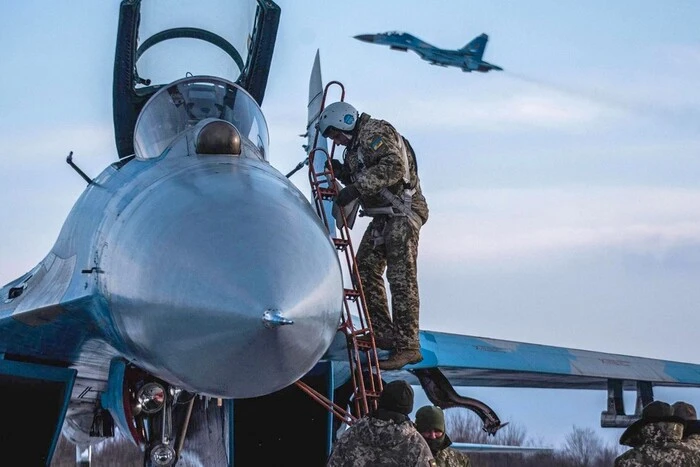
(362, 357)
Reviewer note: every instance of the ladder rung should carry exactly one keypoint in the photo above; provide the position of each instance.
(341, 243)
(352, 294)
(361, 343)
(327, 193)
(364, 345)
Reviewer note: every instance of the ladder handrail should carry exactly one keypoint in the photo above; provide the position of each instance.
(340, 413)
(366, 379)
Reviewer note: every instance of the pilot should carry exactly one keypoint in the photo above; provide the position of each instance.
(656, 440)
(379, 169)
(430, 423)
(386, 437)
(691, 431)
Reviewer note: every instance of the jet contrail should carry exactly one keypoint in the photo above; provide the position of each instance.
(649, 109)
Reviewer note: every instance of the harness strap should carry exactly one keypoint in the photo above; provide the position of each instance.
(404, 157)
(399, 207)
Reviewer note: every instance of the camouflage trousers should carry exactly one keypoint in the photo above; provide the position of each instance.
(391, 244)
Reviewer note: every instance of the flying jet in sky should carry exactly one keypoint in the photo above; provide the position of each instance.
(468, 58)
(195, 302)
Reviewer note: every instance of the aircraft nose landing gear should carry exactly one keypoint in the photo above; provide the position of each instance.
(161, 452)
(163, 455)
(153, 406)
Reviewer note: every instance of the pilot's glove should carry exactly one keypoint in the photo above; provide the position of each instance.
(337, 167)
(346, 195)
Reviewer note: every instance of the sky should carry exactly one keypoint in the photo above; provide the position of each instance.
(563, 191)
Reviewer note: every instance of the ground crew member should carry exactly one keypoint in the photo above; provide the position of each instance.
(430, 423)
(379, 168)
(386, 437)
(691, 431)
(655, 440)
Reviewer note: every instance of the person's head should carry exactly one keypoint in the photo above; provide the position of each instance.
(653, 413)
(689, 415)
(337, 121)
(397, 396)
(430, 423)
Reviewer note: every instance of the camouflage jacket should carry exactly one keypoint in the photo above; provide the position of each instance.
(371, 442)
(661, 447)
(373, 161)
(449, 457)
(693, 442)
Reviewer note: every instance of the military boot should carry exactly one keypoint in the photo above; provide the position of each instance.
(401, 358)
(379, 341)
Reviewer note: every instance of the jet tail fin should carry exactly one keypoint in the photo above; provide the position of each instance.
(476, 47)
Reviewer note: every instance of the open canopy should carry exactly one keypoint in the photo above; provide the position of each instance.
(159, 42)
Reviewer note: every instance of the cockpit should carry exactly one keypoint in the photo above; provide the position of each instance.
(162, 41)
(182, 105)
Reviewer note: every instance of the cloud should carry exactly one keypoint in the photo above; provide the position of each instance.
(493, 226)
(683, 56)
(502, 114)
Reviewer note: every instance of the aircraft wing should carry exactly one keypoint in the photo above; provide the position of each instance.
(484, 362)
(452, 360)
(499, 448)
(478, 361)
(459, 360)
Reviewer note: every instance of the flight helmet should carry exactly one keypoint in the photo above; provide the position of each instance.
(339, 116)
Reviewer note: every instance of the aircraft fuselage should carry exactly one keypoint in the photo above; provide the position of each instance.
(198, 268)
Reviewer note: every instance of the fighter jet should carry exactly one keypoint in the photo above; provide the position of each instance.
(190, 266)
(468, 58)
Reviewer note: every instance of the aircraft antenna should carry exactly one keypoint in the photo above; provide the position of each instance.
(70, 162)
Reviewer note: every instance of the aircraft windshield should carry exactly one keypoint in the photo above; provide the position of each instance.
(179, 106)
(199, 37)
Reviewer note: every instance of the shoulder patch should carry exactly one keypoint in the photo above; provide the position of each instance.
(376, 143)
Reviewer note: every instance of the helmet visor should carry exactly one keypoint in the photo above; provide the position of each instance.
(330, 132)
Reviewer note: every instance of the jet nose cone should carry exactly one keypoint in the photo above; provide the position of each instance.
(366, 37)
(224, 281)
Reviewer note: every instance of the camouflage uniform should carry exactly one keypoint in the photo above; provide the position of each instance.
(661, 448)
(372, 442)
(691, 432)
(448, 457)
(373, 161)
(693, 442)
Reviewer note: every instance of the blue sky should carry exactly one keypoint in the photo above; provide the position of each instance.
(563, 190)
